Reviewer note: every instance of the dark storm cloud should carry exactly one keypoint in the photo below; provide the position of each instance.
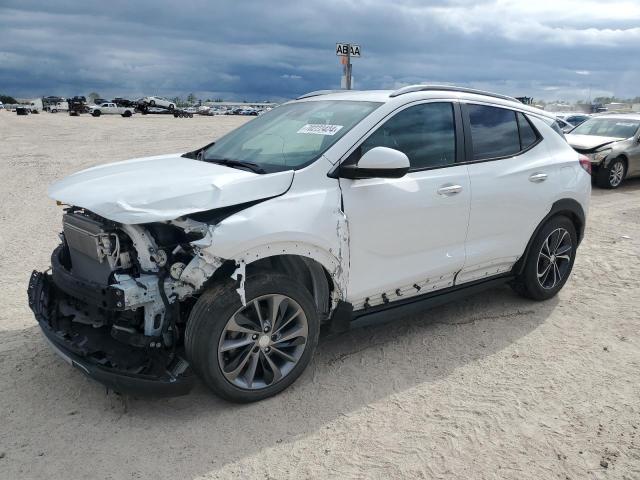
(270, 50)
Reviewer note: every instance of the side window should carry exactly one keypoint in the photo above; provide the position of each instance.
(528, 135)
(425, 133)
(494, 132)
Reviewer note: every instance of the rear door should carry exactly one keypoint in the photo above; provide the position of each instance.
(407, 234)
(513, 181)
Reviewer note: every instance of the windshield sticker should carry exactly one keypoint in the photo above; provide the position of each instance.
(320, 129)
(625, 124)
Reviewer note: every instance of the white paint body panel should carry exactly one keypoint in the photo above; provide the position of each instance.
(506, 206)
(165, 187)
(402, 231)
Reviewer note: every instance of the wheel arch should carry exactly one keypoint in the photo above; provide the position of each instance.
(567, 207)
(319, 270)
(309, 272)
(622, 156)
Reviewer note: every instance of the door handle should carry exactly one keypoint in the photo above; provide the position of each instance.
(538, 177)
(449, 190)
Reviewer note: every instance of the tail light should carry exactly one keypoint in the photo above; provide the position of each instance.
(585, 163)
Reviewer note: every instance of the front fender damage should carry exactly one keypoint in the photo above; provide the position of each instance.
(206, 261)
(156, 297)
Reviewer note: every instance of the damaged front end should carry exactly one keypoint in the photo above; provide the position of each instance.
(116, 300)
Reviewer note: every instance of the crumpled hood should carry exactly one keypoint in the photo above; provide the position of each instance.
(588, 142)
(163, 188)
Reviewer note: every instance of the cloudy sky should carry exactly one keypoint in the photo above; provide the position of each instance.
(258, 49)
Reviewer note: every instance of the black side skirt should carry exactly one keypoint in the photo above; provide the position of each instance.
(400, 308)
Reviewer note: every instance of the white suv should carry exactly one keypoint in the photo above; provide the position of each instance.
(159, 102)
(334, 210)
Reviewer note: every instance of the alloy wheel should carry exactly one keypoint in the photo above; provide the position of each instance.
(263, 341)
(616, 173)
(554, 258)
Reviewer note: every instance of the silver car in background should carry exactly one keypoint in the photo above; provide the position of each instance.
(612, 143)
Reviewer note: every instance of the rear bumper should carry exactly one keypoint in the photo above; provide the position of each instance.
(172, 380)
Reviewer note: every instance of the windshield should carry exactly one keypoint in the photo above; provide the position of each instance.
(608, 127)
(290, 136)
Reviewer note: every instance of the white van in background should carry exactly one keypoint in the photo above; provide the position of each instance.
(59, 107)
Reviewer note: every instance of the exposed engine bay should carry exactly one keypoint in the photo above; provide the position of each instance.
(120, 295)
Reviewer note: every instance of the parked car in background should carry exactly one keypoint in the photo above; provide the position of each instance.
(159, 102)
(563, 125)
(612, 144)
(329, 211)
(1, 106)
(123, 102)
(77, 105)
(110, 108)
(62, 106)
(576, 118)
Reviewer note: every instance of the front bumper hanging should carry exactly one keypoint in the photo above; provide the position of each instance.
(70, 344)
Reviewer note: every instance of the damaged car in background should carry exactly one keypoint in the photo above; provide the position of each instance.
(612, 144)
(331, 211)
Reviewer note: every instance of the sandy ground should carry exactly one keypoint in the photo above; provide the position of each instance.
(491, 387)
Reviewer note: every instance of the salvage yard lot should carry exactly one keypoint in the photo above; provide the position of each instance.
(493, 386)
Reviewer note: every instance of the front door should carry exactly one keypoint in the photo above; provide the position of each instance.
(407, 235)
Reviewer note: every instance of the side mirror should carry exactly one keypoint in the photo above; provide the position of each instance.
(379, 162)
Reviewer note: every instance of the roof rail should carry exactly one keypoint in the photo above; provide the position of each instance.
(320, 92)
(448, 88)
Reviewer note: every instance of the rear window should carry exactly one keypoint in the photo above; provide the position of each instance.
(494, 132)
(528, 135)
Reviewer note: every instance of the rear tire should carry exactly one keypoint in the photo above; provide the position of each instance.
(550, 260)
(612, 176)
(261, 369)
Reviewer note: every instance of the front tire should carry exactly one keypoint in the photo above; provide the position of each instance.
(611, 176)
(550, 260)
(246, 353)
(96, 113)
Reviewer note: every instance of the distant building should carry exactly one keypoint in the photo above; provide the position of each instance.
(559, 107)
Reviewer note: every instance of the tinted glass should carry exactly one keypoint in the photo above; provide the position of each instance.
(494, 132)
(424, 133)
(290, 136)
(576, 119)
(527, 134)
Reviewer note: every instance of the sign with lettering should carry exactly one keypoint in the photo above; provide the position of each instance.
(342, 49)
